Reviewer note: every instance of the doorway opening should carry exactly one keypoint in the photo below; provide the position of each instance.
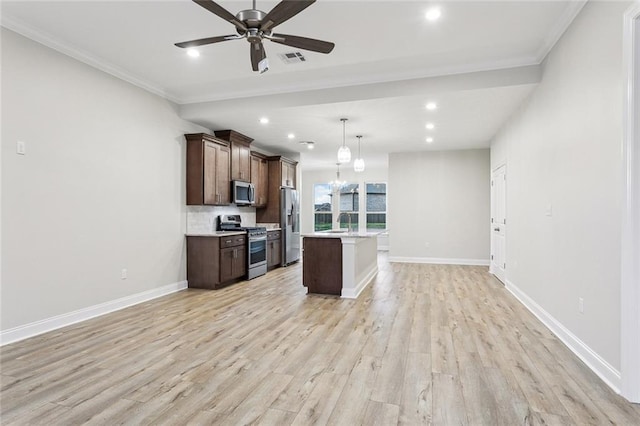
(630, 285)
(498, 263)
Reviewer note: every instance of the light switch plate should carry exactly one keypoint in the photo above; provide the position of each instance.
(21, 148)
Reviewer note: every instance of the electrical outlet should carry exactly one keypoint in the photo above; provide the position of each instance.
(123, 274)
(426, 245)
(581, 305)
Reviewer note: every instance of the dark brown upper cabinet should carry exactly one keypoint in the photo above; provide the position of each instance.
(260, 178)
(282, 172)
(208, 161)
(240, 153)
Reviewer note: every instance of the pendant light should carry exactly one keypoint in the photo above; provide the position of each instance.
(344, 153)
(337, 184)
(358, 164)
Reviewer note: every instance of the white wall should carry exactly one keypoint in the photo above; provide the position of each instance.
(312, 177)
(439, 206)
(563, 149)
(101, 186)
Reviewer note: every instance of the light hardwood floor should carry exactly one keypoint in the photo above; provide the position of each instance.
(424, 344)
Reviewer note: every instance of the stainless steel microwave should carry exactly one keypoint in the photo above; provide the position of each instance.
(243, 193)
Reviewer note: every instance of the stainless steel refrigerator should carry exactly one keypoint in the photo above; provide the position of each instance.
(290, 224)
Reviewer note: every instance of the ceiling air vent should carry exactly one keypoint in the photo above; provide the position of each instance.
(292, 57)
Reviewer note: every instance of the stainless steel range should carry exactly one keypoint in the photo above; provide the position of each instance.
(256, 243)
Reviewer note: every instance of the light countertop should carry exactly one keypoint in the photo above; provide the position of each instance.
(344, 234)
(217, 234)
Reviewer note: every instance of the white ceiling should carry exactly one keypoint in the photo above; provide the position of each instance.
(478, 62)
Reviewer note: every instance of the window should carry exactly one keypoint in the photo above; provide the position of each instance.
(322, 206)
(376, 201)
(349, 206)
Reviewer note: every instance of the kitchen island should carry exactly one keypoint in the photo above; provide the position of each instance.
(339, 262)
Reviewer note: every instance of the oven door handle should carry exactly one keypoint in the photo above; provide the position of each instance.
(261, 238)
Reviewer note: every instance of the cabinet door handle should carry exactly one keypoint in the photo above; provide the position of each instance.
(228, 241)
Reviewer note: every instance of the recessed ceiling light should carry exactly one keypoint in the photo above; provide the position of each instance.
(430, 126)
(429, 140)
(264, 120)
(433, 14)
(431, 106)
(291, 136)
(193, 53)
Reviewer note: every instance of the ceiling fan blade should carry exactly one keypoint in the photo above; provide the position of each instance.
(208, 40)
(283, 11)
(221, 12)
(257, 54)
(303, 43)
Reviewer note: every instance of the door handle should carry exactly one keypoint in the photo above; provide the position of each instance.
(496, 229)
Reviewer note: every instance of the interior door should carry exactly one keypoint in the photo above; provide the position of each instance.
(498, 222)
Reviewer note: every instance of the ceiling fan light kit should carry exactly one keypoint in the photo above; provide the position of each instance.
(344, 153)
(255, 25)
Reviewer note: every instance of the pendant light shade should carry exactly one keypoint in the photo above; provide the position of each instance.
(344, 153)
(358, 164)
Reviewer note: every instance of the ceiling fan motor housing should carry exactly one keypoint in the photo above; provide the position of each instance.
(252, 18)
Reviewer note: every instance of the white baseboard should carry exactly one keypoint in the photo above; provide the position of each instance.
(439, 261)
(595, 362)
(38, 327)
(353, 293)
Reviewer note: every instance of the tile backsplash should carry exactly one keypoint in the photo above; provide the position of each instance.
(202, 219)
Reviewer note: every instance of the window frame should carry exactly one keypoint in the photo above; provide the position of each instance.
(353, 214)
(366, 205)
(328, 213)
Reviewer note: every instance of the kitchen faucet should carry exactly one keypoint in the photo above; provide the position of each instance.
(349, 218)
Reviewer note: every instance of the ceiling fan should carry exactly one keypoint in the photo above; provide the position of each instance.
(255, 25)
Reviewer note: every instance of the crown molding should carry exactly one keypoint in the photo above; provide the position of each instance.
(82, 56)
(570, 13)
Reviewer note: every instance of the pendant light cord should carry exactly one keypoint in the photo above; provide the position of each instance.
(344, 131)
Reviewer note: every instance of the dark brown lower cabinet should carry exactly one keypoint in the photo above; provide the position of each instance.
(213, 262)
(322, 265)
(233, 263)
(274, 249)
